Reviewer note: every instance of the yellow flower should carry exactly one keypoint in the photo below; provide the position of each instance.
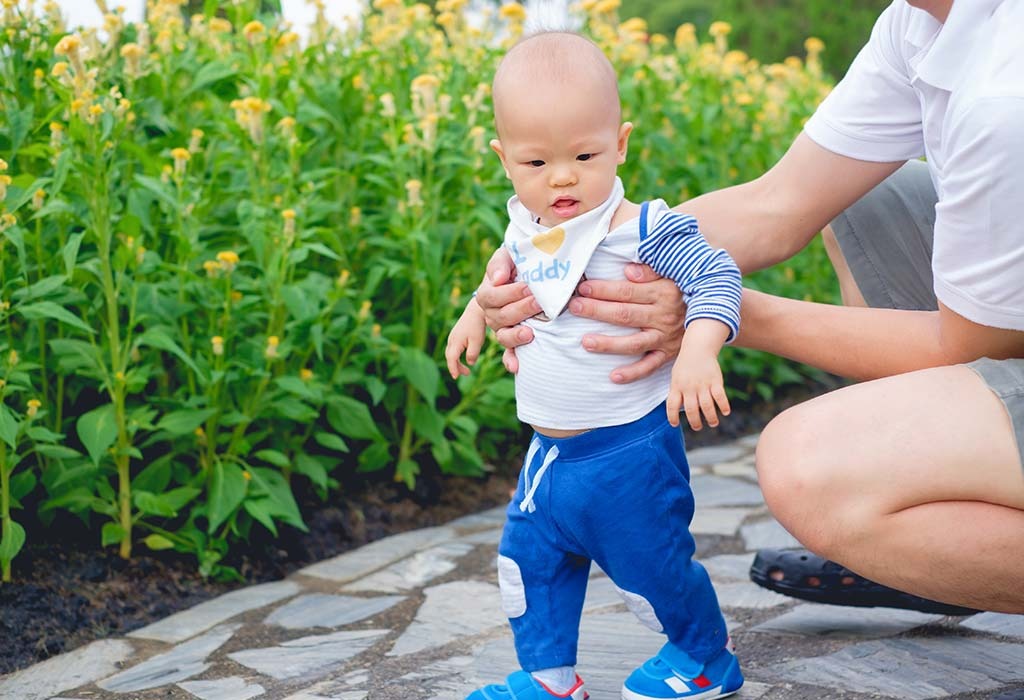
(228, 260)
(513, 12)
(212, 268)
(412, 189)
(387, 105)
(217, 345)
(343, 278)
(355, 216)
(387, 5)
(305, 374)
(37, 199)
(287, 126)
(288, 214)
(271, 350)
(607, 6)
(246, 475)
(793, 62)
(68, 45)
(59, 69)
(814, 45)
(634, 25)
(220, 25)
(5, 180)
(287, 39)
(13, 358)
(254, 31)
(718, 29)
(375, 330)
(33, 407)
(180, 156)
(7, 219)
(364, 310)
(194, 144)
(358, 82)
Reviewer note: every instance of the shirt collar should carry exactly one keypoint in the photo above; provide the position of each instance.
(944, 60)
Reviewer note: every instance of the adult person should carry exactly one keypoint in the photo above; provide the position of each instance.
(913, 477)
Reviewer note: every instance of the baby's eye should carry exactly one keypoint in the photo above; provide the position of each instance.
(585, 156)
(536, 163)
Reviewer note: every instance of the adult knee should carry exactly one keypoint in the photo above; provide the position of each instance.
(793, 472)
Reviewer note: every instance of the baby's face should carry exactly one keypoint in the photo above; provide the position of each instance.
(560, 147)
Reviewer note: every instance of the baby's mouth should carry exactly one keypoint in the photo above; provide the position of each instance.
(565, 206)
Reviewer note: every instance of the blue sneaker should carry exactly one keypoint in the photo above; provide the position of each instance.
(673, 674)
(522, 686)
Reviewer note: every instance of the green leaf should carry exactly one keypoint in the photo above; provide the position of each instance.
(22, 484)
(263, 511)
(40, 434)
(112, 534)
(421, 371)
(330, 441)
(12, 542)
(159, 189)
(152, 504)
(351, 417)
(178, 498)
(406, 471)
(278, 459)
(8, 427)
(158, 542)
(41, 310)
(313, 468)
(283, 504)
(184, 422)
(428, 423)
(376, 456)
(70, 252)
(57, 451)
(228, 486)
(42, 288)
(300, 388)
(323, 250)
(97, 430)
(154, 478)
(158, 338)
(210, 73)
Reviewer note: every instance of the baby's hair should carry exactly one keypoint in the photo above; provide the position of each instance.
(557, 56)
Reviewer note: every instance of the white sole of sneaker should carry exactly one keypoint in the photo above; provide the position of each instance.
(709, 694)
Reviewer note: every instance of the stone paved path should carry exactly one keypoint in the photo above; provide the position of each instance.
(417, 616)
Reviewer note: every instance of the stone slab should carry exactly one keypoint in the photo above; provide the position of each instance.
(715, 454)
(767, 533)
(742, 468)
(748, 595)
(308, 657)
(65, 672)
(811, 619)
(414, 571)
(324, 610)
(997, 623)
(485, 520)
(377, 555)
(232, 688)
(179, 664)
(711, 491)
(718, 521)
(728, 567)
(487, 537)
(451, 611)
(913, 669)
(188, 623)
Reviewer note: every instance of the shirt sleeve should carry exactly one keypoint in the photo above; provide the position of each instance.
(874, 114)
(709, 279)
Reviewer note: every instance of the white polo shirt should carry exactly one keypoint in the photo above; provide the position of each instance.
(954, 93)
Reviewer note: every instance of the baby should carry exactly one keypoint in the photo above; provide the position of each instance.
(605, 478)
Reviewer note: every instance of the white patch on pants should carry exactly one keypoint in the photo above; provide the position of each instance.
(644, 611)
(510, 581)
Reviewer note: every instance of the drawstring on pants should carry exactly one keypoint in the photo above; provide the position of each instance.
(531, 486)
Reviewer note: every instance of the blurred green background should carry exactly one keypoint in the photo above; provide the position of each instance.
(770, 30)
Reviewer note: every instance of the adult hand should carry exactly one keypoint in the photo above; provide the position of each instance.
(651, 304)
(506, 304)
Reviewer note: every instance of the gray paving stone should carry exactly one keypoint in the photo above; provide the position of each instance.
(324, 610)
(494, 517)
(743, 468)
(709, 456)
(179, 664)
(913, 669)
(414, 571)
(488, 537)
(749, 441)
(718, 521)
(451, 611)
(232, 688)
(601, 593)
(997, 623)
(710, 491)
(79, 667)
(308, 656)
(188, 623)
(767, 533)
(376, 555)
(728, 567)
(748, 595)
(811, 619)
(348, 695)
(350, 686)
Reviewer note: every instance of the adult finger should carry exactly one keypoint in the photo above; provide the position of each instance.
(500, 268)
(637, 272)
(636, 343)
(509, 359)
(508, 314)
(643, 367)
(514, 336)
(623, 290)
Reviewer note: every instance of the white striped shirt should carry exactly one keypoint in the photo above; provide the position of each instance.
(562, 386)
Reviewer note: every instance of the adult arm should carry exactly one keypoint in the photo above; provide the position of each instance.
(864, 343)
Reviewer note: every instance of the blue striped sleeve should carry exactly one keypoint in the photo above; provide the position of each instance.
(709, 279)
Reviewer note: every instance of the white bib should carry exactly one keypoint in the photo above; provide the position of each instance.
(552, 261)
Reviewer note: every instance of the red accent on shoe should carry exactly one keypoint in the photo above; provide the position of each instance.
(568, 693)
(701, 681)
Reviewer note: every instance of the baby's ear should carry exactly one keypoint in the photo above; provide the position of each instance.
(496, 147)
(623, 147)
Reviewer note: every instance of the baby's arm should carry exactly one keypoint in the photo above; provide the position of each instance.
(712, 288)
(466, 336)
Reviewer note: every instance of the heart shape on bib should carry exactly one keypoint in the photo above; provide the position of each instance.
(549, 241)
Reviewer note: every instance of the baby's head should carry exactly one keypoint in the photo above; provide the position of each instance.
(560, 135)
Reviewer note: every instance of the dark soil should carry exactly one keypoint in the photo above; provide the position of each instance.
(67, 591)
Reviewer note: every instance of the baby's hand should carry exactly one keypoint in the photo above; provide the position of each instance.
(696, 387)
(467, 336)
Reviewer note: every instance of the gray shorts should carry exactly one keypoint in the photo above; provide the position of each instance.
(886, 238)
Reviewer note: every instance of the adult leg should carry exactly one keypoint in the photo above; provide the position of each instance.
(914, 481)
